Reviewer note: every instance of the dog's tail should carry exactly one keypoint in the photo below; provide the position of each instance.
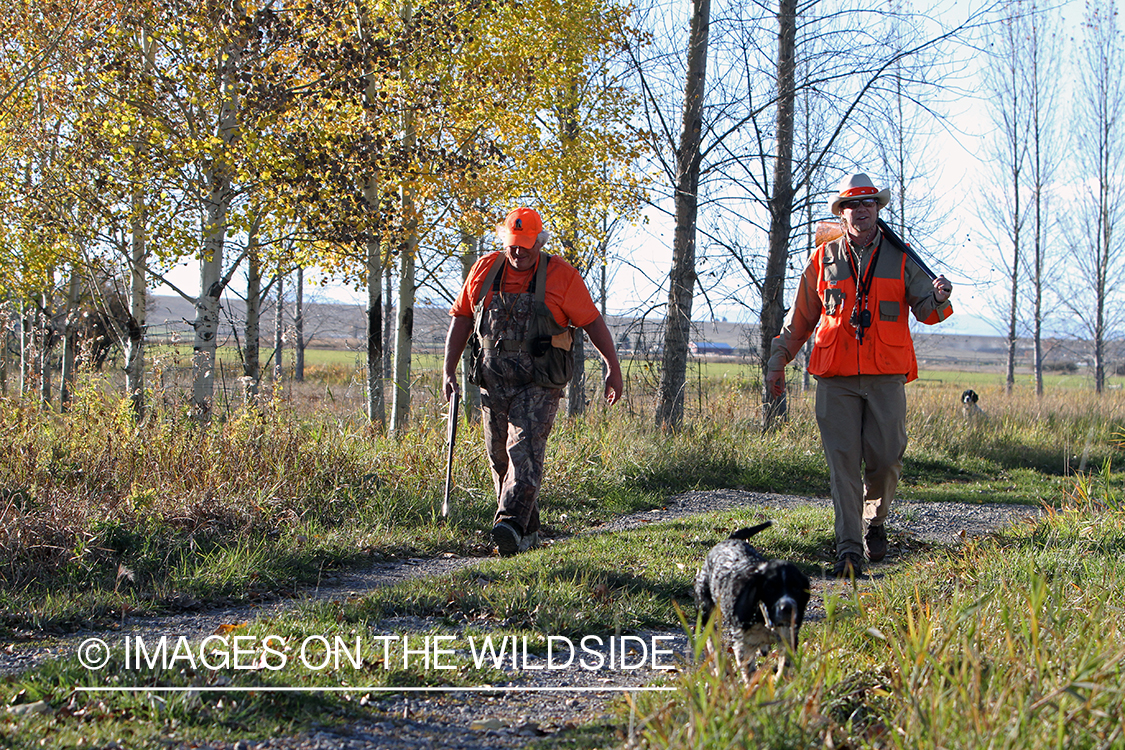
(746, 533)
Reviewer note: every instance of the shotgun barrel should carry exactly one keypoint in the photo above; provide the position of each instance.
(905, 248)
(826, 231)
(451, 440)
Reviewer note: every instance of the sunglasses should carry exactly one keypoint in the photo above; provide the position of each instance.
(865, 202)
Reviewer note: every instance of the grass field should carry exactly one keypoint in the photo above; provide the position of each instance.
(1012, 642)
(1013, 638)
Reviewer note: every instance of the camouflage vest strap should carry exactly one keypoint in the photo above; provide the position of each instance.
(493, 282)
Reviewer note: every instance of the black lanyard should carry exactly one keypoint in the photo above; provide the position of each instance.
(861, 316)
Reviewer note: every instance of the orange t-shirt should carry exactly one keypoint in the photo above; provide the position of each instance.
(567, 296)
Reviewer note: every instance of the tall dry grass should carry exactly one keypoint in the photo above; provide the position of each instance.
(1013, 641)
(267, 498)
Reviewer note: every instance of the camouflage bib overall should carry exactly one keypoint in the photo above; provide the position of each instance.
(518, 414)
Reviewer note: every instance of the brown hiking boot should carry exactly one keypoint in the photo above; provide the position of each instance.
(876, 542)
(848, 566)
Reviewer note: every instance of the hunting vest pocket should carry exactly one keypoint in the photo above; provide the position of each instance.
(889, 310)
(894, 352)
(553, 364)
(891, 358)
(834, 301)
(822, 361)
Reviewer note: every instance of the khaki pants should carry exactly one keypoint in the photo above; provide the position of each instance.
(862, 421)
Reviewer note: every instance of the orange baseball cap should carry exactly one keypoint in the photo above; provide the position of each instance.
(522, 227)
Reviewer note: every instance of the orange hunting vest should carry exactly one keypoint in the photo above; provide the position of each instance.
(887, 348)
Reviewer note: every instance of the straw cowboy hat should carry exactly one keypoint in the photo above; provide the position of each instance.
(856, 186)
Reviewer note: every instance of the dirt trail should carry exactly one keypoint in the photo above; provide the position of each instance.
(486, 719)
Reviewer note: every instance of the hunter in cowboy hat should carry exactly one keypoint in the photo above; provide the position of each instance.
(855, 293)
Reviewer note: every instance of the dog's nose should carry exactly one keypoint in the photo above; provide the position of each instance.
(786, 610)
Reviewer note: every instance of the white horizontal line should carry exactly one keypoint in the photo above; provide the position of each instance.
(284, 689)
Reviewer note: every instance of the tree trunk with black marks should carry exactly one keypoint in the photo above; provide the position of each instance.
(775, 408)
(682, 278)
(376, 406)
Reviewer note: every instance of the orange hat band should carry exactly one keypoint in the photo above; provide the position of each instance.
(852, 192)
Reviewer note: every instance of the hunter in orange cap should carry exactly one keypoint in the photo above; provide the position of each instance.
(522, 227)
(521, 307)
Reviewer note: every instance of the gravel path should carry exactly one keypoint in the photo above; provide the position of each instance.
(942, 523)
(494, 719)
(18, 657)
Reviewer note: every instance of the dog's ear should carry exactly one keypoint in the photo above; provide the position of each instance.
(801, 585)
(746, 601)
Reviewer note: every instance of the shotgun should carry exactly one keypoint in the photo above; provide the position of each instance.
(450, 439)
(827, 231)
(905, 248)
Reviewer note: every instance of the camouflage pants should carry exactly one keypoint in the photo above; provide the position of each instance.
(517, 421)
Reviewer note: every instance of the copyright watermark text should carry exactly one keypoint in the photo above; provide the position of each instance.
(321, 652)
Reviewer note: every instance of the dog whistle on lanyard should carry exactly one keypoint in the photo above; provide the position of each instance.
(861, 321)
(861, 316)
(826, 231)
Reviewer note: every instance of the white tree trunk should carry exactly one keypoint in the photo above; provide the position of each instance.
(46, 308)
(138, 287)
(211, 282)
(70, 341)
(206, 323)
(138, 302)
(26, 353)
(404, 329)
(5, 334)
(404, 337)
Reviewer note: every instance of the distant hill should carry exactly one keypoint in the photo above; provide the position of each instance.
(338, 326)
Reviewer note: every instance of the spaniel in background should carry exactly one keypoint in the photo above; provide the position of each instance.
(969, 406)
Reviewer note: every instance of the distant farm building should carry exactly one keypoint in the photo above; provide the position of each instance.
(706, 347)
